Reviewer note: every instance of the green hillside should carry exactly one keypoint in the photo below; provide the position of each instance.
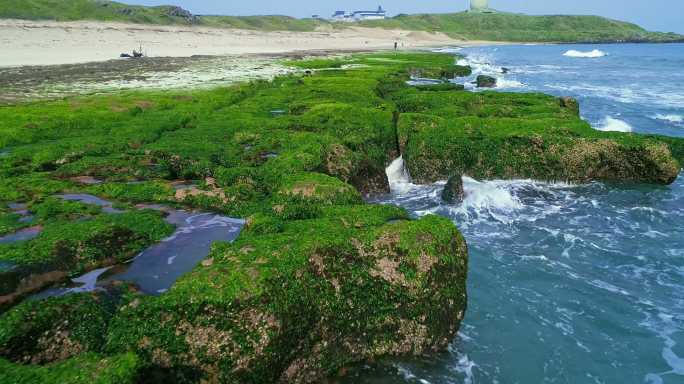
(70, 10)
(518, 27)
(472, 26)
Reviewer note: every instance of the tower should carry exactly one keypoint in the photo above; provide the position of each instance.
(481, 6)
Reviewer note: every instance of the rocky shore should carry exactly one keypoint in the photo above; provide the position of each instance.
(318, 280)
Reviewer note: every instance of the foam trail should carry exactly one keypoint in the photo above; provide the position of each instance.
(671, 118)
(611, 124)
(590, 54)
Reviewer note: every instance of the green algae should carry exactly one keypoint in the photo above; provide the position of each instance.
(75, 238)
(54, 329)
(307, 298)
(498, 135)
(87, 368)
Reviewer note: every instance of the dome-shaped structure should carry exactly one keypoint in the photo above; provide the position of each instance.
(479, 6)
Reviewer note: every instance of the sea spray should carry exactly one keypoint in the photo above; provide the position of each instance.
(398, 176)
(580, 54)
(611, 124)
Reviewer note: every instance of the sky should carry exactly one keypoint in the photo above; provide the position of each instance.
(656, 15)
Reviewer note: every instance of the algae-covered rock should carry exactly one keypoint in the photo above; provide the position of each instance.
(499, 135)
(440, 87)
(453, 190)
(46, 331)
(74, 240)
(570, 103)
(88, 368)
(443, 72)
(484, 81)
(297, 305)
(318, 188)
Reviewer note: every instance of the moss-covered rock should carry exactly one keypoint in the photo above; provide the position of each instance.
(447, 72)
(75, 238)
(299, 303)
(46, 331)
(484, 81)
(453, 190)
(88, 368)
(499, 135)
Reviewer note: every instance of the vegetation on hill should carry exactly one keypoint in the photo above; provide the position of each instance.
(70, 10)
(318, 280)
(103, 10)
(464, 25)
(519, 27)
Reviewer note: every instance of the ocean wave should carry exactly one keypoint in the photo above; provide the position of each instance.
(489, 195)
(589, 54)
(610, 124)
(505, 83)
(671, 118)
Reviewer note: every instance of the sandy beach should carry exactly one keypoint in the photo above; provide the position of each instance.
(49, 43)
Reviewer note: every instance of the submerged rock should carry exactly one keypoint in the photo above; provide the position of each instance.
(485, 81)
(453, 190)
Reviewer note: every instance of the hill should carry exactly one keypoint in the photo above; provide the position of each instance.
(519, 27)
(73, 10)
(467, 26)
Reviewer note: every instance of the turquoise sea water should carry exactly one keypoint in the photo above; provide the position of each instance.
(568, 284)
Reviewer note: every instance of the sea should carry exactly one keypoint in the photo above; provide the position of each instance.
(567, 283)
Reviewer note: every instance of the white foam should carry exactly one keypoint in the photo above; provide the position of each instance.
(671, 118)
(398, 176)
(489, 195)
(505, 83)
(465, 366)
(589, 54)
(610, 124)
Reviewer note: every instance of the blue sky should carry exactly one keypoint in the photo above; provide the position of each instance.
(659, 15)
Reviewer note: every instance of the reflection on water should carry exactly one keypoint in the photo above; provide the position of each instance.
(158, 267)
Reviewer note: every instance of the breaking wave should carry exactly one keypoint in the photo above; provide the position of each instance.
(589, 54)
(610, 124)
(482, 65)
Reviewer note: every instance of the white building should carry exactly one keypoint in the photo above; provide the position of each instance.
(341, 16)
(480, 6)
(380, 14)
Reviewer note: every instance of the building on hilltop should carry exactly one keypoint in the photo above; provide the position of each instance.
(380, 14)
(341, 16)
(480, 6)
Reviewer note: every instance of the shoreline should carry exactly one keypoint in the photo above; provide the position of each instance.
(38, 43)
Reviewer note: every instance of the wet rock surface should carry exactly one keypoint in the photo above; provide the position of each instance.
(484, 81)
(453, 190)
